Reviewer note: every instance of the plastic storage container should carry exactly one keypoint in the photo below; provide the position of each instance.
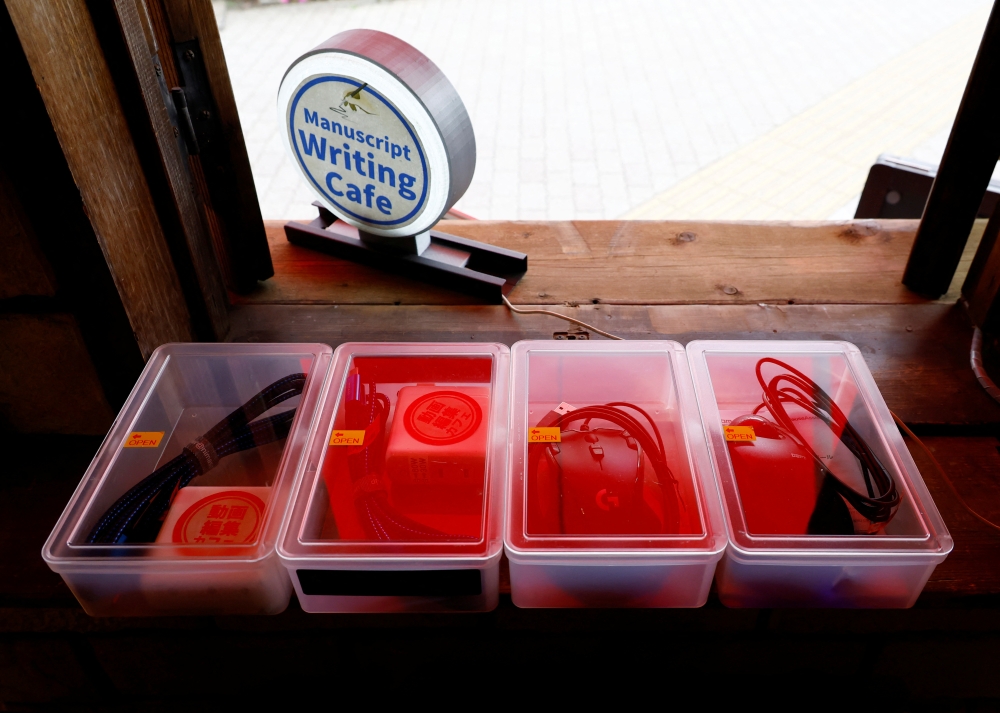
(809, 524)
(212, 551)
(400, 502)
(604, 511)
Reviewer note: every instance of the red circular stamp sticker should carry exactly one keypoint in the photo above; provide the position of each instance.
(231, 517)
(441, 418)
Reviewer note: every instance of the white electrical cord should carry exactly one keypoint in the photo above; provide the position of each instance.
(560, 316)
(977, 365)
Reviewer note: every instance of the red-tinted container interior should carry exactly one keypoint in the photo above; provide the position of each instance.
(601, 479)
(782, 489)
(418, 474)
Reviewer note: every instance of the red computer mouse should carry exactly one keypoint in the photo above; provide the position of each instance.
(782, 487)
(591, 483)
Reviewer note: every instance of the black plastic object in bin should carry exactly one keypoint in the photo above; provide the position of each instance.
(391, 583)
(898, 188)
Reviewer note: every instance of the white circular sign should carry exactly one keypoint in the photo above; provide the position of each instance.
(378, 132)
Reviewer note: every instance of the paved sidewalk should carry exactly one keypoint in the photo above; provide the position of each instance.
(598, 109)
(816, 163)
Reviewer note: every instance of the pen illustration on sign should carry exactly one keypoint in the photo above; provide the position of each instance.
(348, 96)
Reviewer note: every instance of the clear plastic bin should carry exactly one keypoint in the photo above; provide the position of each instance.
(400, 504)
(212, 550)
(611, 497)
(824, 503)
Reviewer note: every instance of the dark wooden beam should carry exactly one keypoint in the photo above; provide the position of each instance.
(968, 162)
(64, 271)
(133, 54)
(223, 166)
(981, 289)
(72, 75)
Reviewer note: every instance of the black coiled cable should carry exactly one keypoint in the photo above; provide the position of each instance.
(882, 499)
(613, 412)
(136, 517)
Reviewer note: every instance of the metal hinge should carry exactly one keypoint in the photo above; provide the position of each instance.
(184, 126)
(199, 103)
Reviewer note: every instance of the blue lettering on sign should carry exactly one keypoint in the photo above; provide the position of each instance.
(332, 185)
(311, 147)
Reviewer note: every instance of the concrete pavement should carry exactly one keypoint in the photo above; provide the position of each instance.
(590, 109)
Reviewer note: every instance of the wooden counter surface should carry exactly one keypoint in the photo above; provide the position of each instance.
(671, 280)
(651, 280)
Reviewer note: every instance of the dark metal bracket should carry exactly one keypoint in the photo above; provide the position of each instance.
(201, 129)
(197, 97)
(898, 188)
(449, 261)
(183, 120)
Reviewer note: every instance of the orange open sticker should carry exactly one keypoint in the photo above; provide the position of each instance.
(739, 433)
(143, 439)
(342, 437)
(545, 434)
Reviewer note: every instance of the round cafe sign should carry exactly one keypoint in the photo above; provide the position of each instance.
(378, 132)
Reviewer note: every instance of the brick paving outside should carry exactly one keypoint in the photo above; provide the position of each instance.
(590, 109)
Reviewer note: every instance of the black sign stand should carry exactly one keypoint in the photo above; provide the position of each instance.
(449, 261)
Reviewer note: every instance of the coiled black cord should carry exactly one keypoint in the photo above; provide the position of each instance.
(882, 498)
(656, 453)
(136, 517)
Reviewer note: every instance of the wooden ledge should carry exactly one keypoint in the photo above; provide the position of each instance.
(640, 262)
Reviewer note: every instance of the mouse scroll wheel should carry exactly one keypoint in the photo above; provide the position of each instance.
(597, 452)
(591, 438)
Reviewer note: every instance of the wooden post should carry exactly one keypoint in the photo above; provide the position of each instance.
(61, 45)
(226, 167)
(968, 163)
(167, 169)
(981, 289)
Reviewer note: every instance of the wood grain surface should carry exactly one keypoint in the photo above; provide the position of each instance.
(73, 78)
(641, 262)
(973, 465)
(23, 267)
(675, 280)
(48, 383)
(243, 225)
(918, 354)
(196, 253)
(982, 284)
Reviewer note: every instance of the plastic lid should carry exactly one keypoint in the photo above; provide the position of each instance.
(407, 459)
(608, 458)
(790, 473)
(233, 487)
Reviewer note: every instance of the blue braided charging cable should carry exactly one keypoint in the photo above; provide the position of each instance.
(136, 517)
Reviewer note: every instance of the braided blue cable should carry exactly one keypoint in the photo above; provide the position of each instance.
(138, 514)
